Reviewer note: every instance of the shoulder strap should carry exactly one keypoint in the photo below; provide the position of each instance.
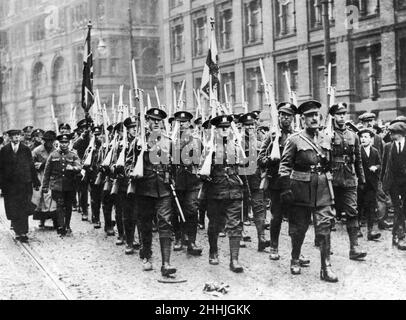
(311, 144)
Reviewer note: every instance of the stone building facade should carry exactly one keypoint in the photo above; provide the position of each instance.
(368, 50)
(41, 52)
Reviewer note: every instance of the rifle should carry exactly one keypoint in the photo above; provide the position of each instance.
(175, 196)
(244, 103)
(331, 100)
(270, 101)
(138, 170)
(54, 119)
(293, 100)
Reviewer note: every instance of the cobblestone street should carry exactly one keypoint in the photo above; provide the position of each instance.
(88, 265)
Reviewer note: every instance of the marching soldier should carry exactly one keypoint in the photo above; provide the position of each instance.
(305, 181)
(348, 175)
(154, 194)
(60, 171)
(286, 112)
(64, 128)
(224, 189)
(187, 183)
(91, 176)
(253, 194)
(80, 145)
(27, 136)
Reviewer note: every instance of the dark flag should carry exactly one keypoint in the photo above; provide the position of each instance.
(211, 68)
(87, 82)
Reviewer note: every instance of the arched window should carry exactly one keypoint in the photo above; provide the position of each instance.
(60, 74)
(39, 78)
(150, 61)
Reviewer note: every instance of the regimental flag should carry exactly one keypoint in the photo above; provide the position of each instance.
(211, 68)
(87, 82)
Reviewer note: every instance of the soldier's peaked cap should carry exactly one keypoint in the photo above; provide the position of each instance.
(12, 132)
(118, 127)
(183, 116)
(338, 108)
(287, 107)
(367, 116)
(309, 107)
(64, 137)
(257, 113)
(82, 123)
(156, 114)
(247, 119)
(399, 119)
(97, 130)
(131, 122)
(223, 121)
(198, 120)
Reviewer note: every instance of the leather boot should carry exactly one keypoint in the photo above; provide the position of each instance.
(234, 251)
(371, 234)
(192, 248)
(295, 267)
(274, 255)
(213, 250)
(166, 268)
(356, 252)
(326, 272)
(262, 242)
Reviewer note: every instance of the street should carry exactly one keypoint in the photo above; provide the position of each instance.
(88, 265)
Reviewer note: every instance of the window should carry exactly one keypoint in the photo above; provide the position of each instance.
(150, 61)
(225, 26)
(78, 63)
(291, 69)
(60, 75)
(228, 81)
(100, 9)
(17, 37)
(175, 3)
(38, 30)
(79, 15)
(253, 88)
(285, 17)
(103, 68)
(402, 60)
(316, 18)
(4, 8)
(369, 73)
(177, 42)
(253, 21)
(400, 4)
(319, 79)
(366, 7)
(199, 35)
(114, 56)
(20, 81)
(39, 79)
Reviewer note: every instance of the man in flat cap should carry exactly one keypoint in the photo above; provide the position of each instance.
(394, 180)
(371, 162)
(286, 113)
(368, 120)
(305, 180)
(36, 138)
(187, 147)
(348, 175)
(60, 170)
(46, 207)
(224, 192)
(253, 196)
(17, 179)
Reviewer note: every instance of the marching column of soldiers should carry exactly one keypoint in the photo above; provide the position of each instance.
(353, 174)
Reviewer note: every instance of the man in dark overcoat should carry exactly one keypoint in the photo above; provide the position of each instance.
(17, 178)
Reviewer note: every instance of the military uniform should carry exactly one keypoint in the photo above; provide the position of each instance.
(347, 174)
(224, 199)
(305, 179)
(270, 166)
(154, 196)
(253, 194)
(187, 184)
(59, 178)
